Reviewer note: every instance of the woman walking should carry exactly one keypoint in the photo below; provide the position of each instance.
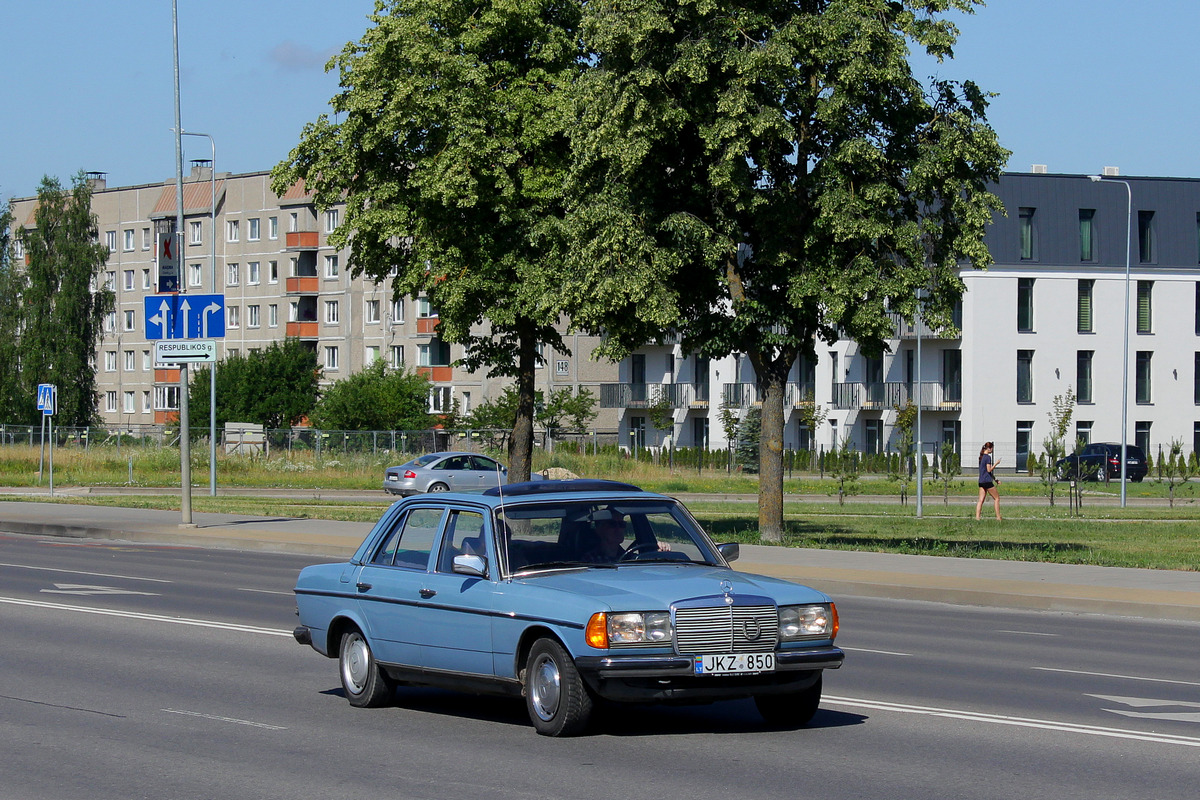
(987, 480)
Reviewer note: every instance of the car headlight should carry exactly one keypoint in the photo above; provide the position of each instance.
(629, 628)
(807, 622)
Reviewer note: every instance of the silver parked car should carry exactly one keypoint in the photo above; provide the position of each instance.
(444, 472)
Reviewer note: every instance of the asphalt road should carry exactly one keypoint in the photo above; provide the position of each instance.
(134, 671)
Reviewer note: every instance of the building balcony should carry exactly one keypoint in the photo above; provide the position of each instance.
(427, 326)
(302, 330)
(890, 396)
(304, 284)
(437, 374)
(166, 417)
(644, 395)
(908, 330)
(166, 375)
(302, 240)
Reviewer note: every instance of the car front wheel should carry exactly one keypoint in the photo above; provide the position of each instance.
(366, 685)
(792, 710)
(559, 703)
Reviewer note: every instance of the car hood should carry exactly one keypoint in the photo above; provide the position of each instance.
(652, 586)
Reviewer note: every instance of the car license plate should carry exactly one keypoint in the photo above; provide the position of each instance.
(735, 663)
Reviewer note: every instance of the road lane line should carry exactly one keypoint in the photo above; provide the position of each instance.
(1030, 633)
(81, 572)
(1122, 677)
(109, 612)
(267, 591)
(867, 650)
(1021, 722)
(225, 719)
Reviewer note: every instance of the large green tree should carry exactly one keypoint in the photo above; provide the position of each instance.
(376, 399)
(64, 301)
(13, 404)
(447, 150)
(275, 387)
(761, 174)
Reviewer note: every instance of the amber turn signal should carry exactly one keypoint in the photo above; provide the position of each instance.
(596, 632)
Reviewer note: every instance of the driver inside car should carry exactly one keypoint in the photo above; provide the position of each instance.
(608, 542)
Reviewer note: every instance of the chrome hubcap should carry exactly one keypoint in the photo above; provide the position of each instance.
(544, 687)
(356, 661)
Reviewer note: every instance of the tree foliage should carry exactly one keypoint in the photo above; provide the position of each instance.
(14, 404)
(761, 175)
(275, 387)
(449, 154)
(53, 331)
(377, 398)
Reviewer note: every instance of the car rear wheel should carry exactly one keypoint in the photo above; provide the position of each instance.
(439, 487)
(790, 710)
(558, 702)
(366, 685)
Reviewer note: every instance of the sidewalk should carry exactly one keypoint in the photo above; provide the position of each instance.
(1152, 594)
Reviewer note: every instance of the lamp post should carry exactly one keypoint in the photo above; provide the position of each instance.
(212, 374)
(1125, 336)
(185, 448)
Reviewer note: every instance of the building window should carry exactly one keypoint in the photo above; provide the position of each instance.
(272, 272)
(273, 227)
(196, 228)
(1025, 305)
(1028, 234)
(233, 316)
(1196, 381)
(562, 367)
(110, 281)
(128, 278)
(331, 358)
(331, 312)
(129, 320)
(145, 279)
(397, 356)
(252, 317)
(195, 274)
(331, 220)
(874, 436)
(147, 361)
(424, 309)
(128, 240)
(434, 354)
(146, 407)
(331, 266)
(1144, 359)
(1024, 437)
(1083, 432)
(398, 309)
(130, 360)
(371, 355)
(110, 322)
(293, 222)
(166, 398)
(371, 311)
(1084, 305)
(130, 402)
(1024, 376)
(1083, 376)
(1145, 293)
(110, 241)
(232, 274)
(110, 361)
(1141, 436)
(110, 401)
(252, 273)
(1146, 245)
(1087, 234)
(273, 315)
(441, 399)
(951, 375)
(252, 233)
(145, 238)
(232, 230)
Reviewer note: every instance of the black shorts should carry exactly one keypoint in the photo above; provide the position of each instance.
(986, 486)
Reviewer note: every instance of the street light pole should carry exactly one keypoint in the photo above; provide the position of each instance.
(185, 448)
(1125, 337)
(212, 374)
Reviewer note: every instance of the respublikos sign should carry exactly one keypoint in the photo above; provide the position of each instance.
(185, 351)
(185, 316)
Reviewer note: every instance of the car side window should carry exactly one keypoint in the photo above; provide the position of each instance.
(386, 553)
(410, 544)
(464, 536)
(481, 463)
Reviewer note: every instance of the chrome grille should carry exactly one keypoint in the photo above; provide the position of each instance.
(726, 629)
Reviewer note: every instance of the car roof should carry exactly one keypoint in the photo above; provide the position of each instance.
(545, 491)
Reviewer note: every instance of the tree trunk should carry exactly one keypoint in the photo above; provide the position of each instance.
(772, 384)
(520, 447)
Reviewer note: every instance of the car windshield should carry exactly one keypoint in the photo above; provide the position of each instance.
(549, 535)
(425, 460)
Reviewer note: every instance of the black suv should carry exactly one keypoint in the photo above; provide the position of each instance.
(1095, 461)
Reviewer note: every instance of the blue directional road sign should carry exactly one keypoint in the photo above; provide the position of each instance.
(47, 398)
(185, 316)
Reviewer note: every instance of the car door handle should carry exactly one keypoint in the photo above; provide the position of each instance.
(427, 593)
(363, 587)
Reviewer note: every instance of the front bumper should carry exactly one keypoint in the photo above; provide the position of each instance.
(643, 677)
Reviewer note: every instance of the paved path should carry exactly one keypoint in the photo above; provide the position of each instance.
(1155, 594)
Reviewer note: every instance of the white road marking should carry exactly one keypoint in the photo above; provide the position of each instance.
(225, 719)
(1021, 722)
(108, 612)
(1122, 677)
(1149, 702)
(89, 574)
(82, 589)
(267, 591)
(1030, 633)
(880, 652)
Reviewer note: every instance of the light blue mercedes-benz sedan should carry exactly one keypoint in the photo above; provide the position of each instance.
(565, 593)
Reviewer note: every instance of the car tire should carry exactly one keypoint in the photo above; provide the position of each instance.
(792, 710)
(1138, 479)
(364, 682)
(438, 487)
(558, 701)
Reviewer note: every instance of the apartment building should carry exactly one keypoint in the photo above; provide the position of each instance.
(1046, 318)
(270, 257)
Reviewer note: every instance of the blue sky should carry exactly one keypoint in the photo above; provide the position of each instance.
(1082, 84)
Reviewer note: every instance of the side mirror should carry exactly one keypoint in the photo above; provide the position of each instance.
(475, 566)
(730, 551)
